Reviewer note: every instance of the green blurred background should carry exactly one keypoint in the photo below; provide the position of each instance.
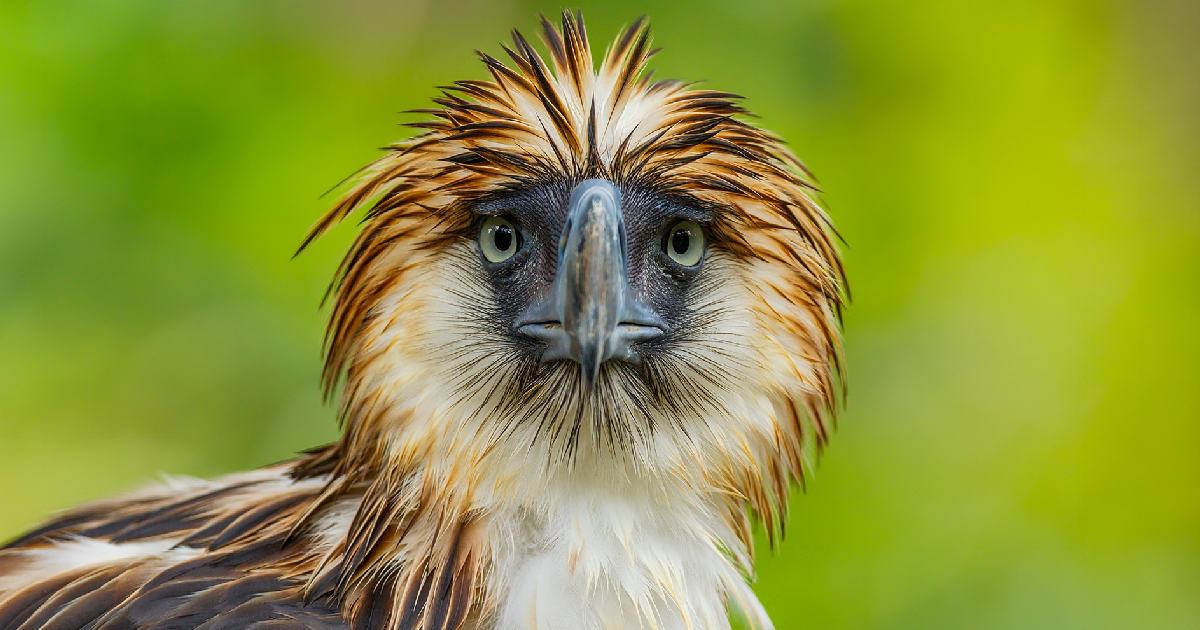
(1016, 182)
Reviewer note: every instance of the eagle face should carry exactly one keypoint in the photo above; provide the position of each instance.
(600, 274)
(589, 301)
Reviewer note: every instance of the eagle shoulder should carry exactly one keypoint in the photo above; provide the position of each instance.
(185, 554)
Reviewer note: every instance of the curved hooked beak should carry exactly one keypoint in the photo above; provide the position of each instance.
(591, 315)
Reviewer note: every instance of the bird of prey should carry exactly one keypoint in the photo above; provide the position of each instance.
(588, 334)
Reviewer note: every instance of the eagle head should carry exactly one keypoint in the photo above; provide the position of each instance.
(577, 272)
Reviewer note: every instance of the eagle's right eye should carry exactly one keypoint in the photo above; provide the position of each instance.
(499, 239)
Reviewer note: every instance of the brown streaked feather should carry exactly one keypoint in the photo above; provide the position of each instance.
(18, 607)
(232, 568)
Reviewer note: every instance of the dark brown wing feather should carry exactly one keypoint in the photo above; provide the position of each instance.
(239, 553)
(226, 564)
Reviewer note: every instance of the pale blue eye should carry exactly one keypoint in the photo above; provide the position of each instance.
(684, 243)
(499, 239)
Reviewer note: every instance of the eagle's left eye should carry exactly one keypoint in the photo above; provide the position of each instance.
(499, 239)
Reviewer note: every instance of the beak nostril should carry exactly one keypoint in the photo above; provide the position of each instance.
(630, 328)
(621, 345)
(629, 334)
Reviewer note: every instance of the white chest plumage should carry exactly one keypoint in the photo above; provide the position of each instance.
(631, 558)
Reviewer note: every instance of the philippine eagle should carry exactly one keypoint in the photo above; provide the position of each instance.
(588, 331)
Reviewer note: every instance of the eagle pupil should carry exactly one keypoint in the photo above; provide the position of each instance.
(681, 240)
(503, 237)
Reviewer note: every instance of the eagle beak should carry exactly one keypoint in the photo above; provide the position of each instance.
(592, 315)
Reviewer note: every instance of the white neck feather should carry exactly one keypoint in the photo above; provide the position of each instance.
(598, 556)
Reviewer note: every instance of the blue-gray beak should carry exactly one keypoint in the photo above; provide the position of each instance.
(591, 316)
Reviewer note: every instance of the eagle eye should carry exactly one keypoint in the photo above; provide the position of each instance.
(683, 243)
(499, 239)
